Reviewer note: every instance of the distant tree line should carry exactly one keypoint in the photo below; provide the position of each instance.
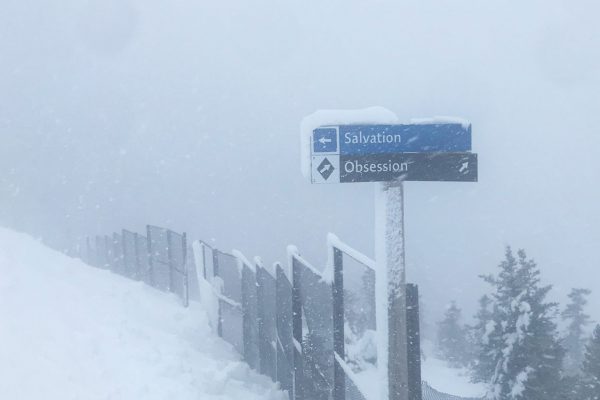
(514, 345)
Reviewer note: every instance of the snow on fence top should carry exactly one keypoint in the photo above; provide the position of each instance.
(242, 260)
(293, 252)
(270, 269)
(334, 241)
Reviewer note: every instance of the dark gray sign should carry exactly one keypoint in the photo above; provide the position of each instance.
(449, 167)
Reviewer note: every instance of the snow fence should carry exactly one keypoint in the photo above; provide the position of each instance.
(311, 330)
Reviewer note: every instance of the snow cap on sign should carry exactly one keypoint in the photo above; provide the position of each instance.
(441, 120)
(371, 115)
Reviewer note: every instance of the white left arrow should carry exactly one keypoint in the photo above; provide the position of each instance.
(323, 141)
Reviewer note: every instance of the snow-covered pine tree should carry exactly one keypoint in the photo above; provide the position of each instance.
(590, 380)
(478, 333)
(451, 337)
(520, 356)
(574, 340)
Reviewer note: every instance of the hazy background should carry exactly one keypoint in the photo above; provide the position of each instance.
(119, 113)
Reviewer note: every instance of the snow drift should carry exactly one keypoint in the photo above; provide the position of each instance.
(69, 331)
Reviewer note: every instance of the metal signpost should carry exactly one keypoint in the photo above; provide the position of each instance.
(392, 154)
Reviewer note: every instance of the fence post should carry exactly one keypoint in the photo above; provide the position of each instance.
(415, 391)
(186, 282)
(216, 273)
(250, 317)
(215, 262)
(149, 254)
(88, 251)
(204, 261)
(126, 268)
(98, 241)
(170, 258)
(297, 331)
(339, 387)
(107, 249)
(115, 254)
(283, 322)
(136, 254)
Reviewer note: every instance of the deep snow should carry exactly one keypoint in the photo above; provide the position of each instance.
(454, 381)
(69, 331)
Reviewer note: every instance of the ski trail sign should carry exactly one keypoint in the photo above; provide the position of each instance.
(382, 153)
(345, 148)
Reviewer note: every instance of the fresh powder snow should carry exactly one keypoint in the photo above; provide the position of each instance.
(70, 331)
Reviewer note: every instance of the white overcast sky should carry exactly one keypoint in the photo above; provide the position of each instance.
(118, 113)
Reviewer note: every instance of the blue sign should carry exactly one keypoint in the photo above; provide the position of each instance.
(379, 139)
(325, 140)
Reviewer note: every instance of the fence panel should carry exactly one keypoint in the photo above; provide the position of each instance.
(130, 265)
(88, 252)
(193, 284)
(267, 328)
(228, 280)
(177, 252)
(110, 251)
(117, 254)
(285, 340)
(102, 252)
(313, 332)
(142, 256)
(231, 324)
(354, 323)
(158, 249)
(315, 337)
(250, 311)
(209, 285)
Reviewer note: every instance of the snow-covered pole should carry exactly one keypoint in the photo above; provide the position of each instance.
(392, 357)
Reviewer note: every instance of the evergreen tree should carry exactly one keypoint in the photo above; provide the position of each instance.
(451, 337)
(478, 333)
(590, 381)
(574, 340)
(520, 356)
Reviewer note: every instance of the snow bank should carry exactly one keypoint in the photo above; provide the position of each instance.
(448, 380)
(371, 115)
(69, 331)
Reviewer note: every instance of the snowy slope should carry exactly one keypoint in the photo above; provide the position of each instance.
(448, 380)
(69, 331)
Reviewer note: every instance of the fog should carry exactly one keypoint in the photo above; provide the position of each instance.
(120, 113)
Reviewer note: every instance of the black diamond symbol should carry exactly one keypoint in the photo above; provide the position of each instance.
(325, 169)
